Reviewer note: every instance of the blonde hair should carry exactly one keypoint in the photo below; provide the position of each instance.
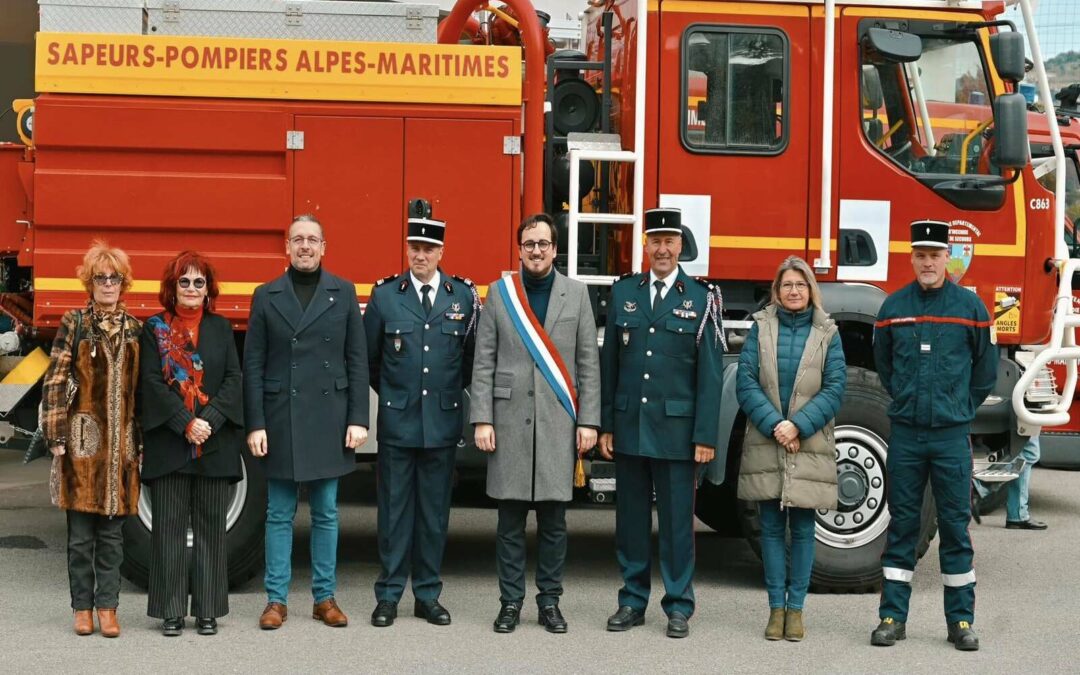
(99, 257)
(799, 265)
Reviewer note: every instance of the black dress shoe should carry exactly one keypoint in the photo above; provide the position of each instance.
(1028, 524)
(384, 614)
(206, 626)
(963, 636)
(509, 617)
(432, 612)
(678, 625)
(888, 632)
(626, 618)
(172, 627)
(552, 619)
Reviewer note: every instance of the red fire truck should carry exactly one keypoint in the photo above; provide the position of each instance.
(817, 128)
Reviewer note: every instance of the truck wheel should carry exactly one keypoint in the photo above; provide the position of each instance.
(851, 538)
(245, 516)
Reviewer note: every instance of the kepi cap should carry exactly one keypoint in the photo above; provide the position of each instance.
(426, 230)
(930, 234)
(663, 221)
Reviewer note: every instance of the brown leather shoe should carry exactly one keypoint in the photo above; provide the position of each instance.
(273, 616)
(84, 621)
(106, 619)
(329, 613)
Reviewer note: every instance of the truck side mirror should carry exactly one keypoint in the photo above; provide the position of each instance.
(1010, 131)
(893, 46)
(689, 246)
(1007, 51)
(872, 96)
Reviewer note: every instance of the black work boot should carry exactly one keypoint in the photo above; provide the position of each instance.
(963, 636)
(888, 632)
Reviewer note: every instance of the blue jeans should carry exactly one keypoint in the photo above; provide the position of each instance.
(786, 582)
(1016, 505)
(282, 497)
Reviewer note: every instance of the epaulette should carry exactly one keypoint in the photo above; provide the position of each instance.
(704, 282)
(385, 280)
(465, 280)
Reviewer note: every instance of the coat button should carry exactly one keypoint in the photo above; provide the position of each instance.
(648, 352)
(644, 399)
(528, 420)
(294, 365)
(326, 338)
(388, 403)
(646, 376)
(423, 393)
(427, 326)
(292, 392)
(652, 330)
(425, 369)
(325, 364)
(427, 348)
(325, 392)
(455, 405)
(294, 340)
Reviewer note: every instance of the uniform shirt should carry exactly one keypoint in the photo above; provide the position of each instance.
(434, 283)
(668, 283)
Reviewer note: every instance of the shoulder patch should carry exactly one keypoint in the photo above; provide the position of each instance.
(385, 280)
(704, 282)
(465, 280)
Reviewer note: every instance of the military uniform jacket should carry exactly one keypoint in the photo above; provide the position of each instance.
(306, 377)
(933, 354)
(660, 385)
(420, 362)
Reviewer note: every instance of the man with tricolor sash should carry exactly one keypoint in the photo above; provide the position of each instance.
(933, 353)
(662, 377)
(536, 407)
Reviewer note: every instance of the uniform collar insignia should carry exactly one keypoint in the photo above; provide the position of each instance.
(403, 285)
(680, 286)
(449, 287)
(644, 278)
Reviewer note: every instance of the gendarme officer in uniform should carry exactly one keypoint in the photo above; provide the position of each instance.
(661, 384)
(419, 327)
(934, 357)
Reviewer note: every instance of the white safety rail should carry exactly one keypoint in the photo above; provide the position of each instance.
(1061, 347)
(613, 153)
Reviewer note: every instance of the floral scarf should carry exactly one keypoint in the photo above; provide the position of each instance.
(181, 364)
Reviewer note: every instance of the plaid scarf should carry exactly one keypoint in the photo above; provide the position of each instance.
(181, 364)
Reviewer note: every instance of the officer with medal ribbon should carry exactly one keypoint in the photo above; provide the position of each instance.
(419, 327)
(661, 383)
(934, 356)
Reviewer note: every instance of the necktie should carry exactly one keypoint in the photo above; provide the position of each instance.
(656, 298)
(425, 291)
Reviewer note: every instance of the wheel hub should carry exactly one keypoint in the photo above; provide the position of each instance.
(860, 515)
(237, 497)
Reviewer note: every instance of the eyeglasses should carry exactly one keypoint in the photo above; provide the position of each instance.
(108, 279)
(299, 241)
(187, 282)
(799, 286)
(543, 245)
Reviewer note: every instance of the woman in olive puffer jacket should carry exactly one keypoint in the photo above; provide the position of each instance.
(790, 385)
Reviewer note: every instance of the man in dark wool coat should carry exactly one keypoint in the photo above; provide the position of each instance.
(306, 409)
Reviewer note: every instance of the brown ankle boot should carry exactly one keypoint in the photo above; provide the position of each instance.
(793, 625)
(107, 622)
(84, 621)
(775, 629)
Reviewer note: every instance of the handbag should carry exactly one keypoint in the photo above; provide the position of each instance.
(38, 447)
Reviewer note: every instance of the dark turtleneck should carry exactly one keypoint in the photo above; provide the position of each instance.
(304, 284)
(538, 290)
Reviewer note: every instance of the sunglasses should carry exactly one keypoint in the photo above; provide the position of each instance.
(187, 282)
(108, 279)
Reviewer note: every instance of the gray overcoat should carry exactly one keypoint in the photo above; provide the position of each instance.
(306, 377)
(535, 437)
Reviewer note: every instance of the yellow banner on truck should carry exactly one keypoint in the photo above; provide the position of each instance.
(160, 65)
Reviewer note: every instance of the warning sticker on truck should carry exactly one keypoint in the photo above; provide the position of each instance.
(1007, 310)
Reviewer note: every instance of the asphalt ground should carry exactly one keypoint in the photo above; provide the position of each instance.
(1028, 594)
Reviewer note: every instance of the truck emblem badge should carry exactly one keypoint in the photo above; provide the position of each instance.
(630, 307)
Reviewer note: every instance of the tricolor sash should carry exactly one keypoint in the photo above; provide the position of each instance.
(538, 343)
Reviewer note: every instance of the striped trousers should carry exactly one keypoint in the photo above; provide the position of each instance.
(176, 499)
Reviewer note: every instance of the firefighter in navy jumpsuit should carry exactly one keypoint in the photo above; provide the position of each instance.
(934, 356)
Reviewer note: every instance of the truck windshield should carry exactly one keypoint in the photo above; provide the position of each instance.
(934, 115)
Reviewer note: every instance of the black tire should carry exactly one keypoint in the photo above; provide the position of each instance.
(848, 559)
(245, 532)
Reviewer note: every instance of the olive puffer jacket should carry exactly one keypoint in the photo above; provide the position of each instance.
(791, 367)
